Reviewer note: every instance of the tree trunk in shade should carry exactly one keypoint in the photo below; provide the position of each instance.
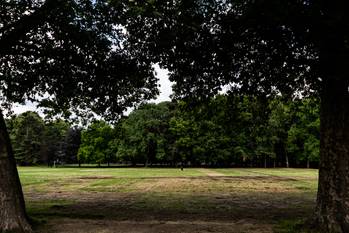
(332, 208)
(13, 217)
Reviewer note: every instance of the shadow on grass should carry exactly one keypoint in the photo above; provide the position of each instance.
(296, 226)
(264, 208)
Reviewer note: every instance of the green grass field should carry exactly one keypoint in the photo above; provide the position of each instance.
(167, 200)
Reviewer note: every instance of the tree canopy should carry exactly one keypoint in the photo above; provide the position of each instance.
(96, 143)
(70, 56)
(258, 47)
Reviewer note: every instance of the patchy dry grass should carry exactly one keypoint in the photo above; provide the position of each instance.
(167, 200)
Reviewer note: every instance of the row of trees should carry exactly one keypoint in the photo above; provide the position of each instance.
(225, 131)
(38, 142)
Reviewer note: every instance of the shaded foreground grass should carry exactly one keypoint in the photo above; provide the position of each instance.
(167, 200)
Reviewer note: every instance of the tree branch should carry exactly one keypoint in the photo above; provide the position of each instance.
(18, 29)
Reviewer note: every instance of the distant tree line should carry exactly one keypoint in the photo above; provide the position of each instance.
(38, 142)
(224, 131)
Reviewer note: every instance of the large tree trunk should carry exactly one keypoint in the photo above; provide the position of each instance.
(13, 217)
(332, 209)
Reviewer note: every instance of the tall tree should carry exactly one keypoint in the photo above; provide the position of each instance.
(263, 47)
(95, 143)
(304, 135)
(72, 144)
(279, 125)
(67, 55)
(144, 134)
(54, 141)
(27, 135)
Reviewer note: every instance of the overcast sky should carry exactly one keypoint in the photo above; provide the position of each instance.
(165, 85)
(165, 92)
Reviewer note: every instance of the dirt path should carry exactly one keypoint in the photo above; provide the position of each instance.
(210, 172)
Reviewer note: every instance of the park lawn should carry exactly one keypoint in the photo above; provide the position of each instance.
(291, 172)
(166, 199)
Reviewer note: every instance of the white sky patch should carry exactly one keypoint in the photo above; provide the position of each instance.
(165, 85)
(28, 106)
(225, 89)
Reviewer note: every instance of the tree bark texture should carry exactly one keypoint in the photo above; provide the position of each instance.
(332, 208)
(13, 217)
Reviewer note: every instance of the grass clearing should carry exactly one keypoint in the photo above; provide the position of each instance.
(168, 200)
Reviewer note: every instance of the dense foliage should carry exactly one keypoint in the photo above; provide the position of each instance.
(225, 131)
(38, 142)
(264, 47)
(97, 143)
(69, 57)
